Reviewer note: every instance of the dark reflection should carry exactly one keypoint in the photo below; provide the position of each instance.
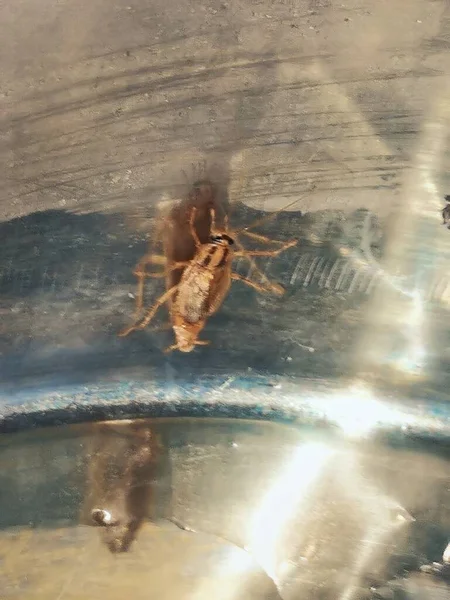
(121, 476)
(446, 212)
(441, 571)
(226, 501)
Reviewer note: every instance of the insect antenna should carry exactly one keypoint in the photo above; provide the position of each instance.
(269, 217)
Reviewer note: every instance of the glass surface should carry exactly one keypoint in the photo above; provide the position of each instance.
(336, 115)
(314, 121)
(199, 508)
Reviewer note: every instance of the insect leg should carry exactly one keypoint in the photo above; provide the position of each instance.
(164, 327)
(179, 265)
(242, 252)
(141, 274)
(259, 288)
(192, 228)
(213, 219)
(266, 252)
(170, 348)
(154, 259)
(248, 255)
(173, 267)
(197, 343)
(265, 239)
(151, 312)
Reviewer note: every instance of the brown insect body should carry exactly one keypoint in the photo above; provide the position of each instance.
(197, 264)
(178, 244)
(202, 289)
(205, 281)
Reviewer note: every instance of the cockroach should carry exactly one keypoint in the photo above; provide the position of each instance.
(206, 279)
(179, 247)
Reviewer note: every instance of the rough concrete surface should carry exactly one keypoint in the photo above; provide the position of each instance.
(104, 103)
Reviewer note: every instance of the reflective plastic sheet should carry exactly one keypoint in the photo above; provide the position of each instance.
(333, 118)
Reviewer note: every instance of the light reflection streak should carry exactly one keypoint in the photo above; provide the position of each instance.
(232, 571)
(271, 519)
(413, 359)
(446, 555)
(283, 501)
(378, 534)
(419, 221)
(357, 411)
(381, 517)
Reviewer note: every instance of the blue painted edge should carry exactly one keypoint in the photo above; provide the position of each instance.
(245, 396)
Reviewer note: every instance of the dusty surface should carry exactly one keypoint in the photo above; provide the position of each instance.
(103, 104)
(167, 564)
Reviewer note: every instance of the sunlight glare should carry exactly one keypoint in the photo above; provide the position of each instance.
(283, 501)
